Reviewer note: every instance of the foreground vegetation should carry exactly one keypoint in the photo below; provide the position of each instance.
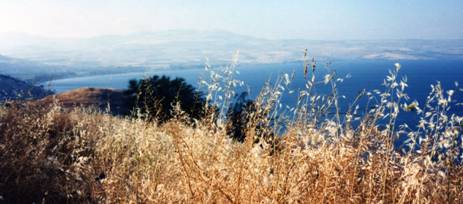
(50, 155)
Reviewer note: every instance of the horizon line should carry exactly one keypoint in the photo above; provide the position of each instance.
(63, 37)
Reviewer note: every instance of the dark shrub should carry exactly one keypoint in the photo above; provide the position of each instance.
(243, 116)
(154, 98)
(239, 114)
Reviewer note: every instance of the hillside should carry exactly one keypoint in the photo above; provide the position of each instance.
(102, 99)
(12, 88)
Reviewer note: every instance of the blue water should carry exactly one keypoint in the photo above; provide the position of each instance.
(365, 74)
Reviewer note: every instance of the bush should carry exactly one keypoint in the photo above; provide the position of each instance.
(238, 117)
(155, 97)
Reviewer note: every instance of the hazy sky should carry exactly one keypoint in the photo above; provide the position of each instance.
(327, 19)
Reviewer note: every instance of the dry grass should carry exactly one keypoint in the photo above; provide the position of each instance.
(103, 99)
(80, 156)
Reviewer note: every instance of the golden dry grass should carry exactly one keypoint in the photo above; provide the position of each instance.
(90, 157)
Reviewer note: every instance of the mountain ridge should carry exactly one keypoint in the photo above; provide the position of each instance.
(161, 49)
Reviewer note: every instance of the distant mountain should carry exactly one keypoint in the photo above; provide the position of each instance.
(31, 71)
(179, 47)
(12, 88)
(35, 71)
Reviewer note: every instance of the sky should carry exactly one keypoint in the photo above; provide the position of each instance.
(274, 19)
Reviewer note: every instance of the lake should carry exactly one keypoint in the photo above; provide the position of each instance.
(365, 74)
